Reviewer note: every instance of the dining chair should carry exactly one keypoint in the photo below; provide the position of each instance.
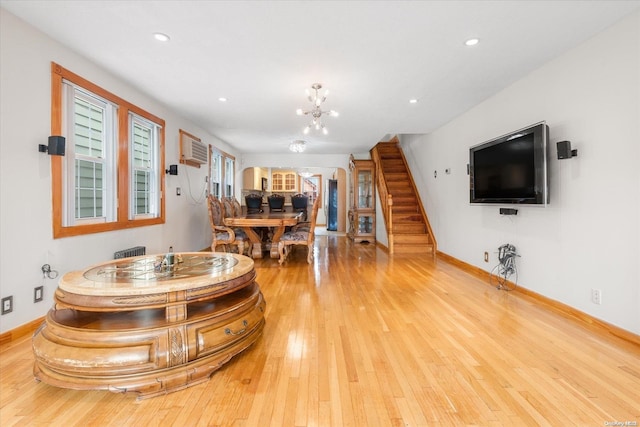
(300, 203)
(222, 235)
(230, 211)
(254, 203)
(237, 207)
(276, 203)
(299, 237)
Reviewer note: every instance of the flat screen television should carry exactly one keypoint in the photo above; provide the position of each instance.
(511, 169)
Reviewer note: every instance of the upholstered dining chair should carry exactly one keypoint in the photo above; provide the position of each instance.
(254, 203)
(276, 203)
(300, 203)
(237, 208)
(299, 237)
(230, 211)
(227, 203)
(220, 234)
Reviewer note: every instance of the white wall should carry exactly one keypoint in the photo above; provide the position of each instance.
(589, 235)
(26, 241)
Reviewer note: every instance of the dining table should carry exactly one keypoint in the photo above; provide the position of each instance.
(276, 221)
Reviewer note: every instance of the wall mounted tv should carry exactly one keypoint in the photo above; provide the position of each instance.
(511, 169)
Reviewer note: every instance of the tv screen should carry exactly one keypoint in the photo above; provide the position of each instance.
(511, 169)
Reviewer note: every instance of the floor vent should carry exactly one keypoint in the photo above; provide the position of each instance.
(135, 251)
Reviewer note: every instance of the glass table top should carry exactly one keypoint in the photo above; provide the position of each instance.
(160, 267)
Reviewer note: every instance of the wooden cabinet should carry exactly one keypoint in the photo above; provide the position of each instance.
(284, 181)
(149, 325)
(362, 213)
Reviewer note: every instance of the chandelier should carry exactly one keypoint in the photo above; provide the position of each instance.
(297, 146)
(305, 173)
(316, 112)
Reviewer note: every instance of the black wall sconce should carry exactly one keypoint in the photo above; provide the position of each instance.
(173, 170)
(55, 146)
(565, 151)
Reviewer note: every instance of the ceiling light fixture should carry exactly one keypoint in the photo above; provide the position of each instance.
(305, 173)
(472, 42)
(161, 37)
(222, 99)
(413, 101)
(297, 146)
(316, 112)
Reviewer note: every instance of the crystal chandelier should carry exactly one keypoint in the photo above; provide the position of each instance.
(297, 146)
(305, 173)
(316, 112)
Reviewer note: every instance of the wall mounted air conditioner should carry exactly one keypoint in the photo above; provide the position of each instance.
(194, 150)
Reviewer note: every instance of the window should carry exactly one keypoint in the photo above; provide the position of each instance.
(91, 147)
(221, 173)
(216, 174)
(110, 177)
(229, 176)
(145, 194)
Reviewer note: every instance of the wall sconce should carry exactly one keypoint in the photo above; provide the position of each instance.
(55, 146)
(173, 170)
(565, 151)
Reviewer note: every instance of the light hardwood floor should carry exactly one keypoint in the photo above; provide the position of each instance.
(363, 339)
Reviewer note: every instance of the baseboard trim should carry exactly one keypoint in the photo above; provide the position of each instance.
(20, 331)
(381, 246)
(559, 307)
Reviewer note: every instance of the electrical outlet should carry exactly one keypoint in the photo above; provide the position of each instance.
(7, 305)
(486, 257)
(596, 296)
(38, 293)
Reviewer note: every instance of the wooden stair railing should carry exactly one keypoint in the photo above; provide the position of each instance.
(386, 199)
(407, 225)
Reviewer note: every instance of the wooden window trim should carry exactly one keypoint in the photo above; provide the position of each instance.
(58, 74)
(224, 155)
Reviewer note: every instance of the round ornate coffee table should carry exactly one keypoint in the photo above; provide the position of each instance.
(149, 324)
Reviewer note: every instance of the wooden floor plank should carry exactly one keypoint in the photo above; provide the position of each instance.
(364, 338)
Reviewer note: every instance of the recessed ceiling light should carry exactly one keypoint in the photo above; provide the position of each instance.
(161, 37)
(413, 101)
(222, 99)
(472, 42)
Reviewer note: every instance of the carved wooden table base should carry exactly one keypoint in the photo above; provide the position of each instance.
(145, 326)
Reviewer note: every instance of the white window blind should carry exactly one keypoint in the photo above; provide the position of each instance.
(90, 190)
(144, 168)
(216, 174)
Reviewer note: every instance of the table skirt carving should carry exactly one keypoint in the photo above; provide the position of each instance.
(122, 339)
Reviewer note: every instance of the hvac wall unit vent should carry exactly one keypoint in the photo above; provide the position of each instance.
(194, 150)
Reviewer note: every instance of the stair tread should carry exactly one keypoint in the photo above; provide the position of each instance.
(410, 229)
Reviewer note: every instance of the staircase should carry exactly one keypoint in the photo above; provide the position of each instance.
(408, 228)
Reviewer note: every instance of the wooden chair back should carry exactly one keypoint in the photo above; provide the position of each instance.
(254, 203)
(221, 235)
(229, 211)
(237, 208)
(304, 236)
(300, 203)
(216, 212)
(276, 203)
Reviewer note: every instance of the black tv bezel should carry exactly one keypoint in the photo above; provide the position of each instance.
(540, 132)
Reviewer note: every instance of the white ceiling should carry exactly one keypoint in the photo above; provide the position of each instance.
(373, 56)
